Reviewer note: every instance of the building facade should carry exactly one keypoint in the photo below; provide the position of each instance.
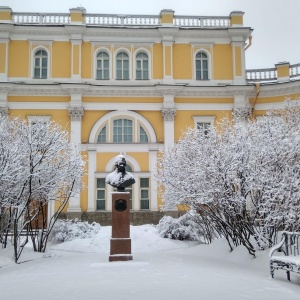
(130, 85)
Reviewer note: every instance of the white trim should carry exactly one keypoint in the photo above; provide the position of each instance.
(96, 52)
(118, 114)
(132, 147)
(138, 51)
(92, 159)
(209, 65)
(129, 63)
(32, 55)
(32, 118)
(127, 106)
(129, 160)
(204, 119)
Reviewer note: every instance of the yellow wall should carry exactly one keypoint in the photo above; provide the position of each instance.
(61, 60)
(182, 61)
(86, 61)
(238, 61)
(103, 159)
(59, 116)
(119, 99)
(18, 59)
(184, 119)
(38, 99)
(156, 120)
(88, 121)
(157, 61)
(142, 159)
(222, 62)
(2, 57)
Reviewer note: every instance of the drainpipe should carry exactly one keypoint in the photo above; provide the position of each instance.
(257, 89)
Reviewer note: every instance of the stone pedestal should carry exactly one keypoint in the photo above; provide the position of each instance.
(120, 243)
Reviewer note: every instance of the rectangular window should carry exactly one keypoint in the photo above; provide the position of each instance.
(205, 126)
(100, 201)
(145, 193)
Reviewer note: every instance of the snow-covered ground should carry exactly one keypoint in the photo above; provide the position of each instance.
(161, 269)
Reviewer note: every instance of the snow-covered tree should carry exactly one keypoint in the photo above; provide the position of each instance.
(242, 177)
(49, 169)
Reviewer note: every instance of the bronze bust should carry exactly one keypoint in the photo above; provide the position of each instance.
(120, 178)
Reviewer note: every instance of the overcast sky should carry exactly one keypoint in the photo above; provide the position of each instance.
(276, 23)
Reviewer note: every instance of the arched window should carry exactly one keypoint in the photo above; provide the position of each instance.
(143, 135)
(102, 136)
(122, 131)
(201, 66)
(40, 64)
(122, 66)
(102, 68)
(122, 127)
(142, 66)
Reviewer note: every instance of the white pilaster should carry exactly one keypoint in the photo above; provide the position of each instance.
(91, 179)
(153, 183)
(76, 114)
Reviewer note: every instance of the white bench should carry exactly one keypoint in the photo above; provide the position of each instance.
(288, 258)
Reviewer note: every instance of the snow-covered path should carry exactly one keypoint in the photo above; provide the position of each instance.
(161, 269)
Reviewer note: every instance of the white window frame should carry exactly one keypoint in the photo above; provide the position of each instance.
(109, 63)
(102, 189)
(145, 51)
(137, 121)
(129, 64)
(204, 119)
(144, 188)
(208, 64)
(34, 51)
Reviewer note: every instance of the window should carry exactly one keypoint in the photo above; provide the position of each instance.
(102, 136)
(143, 135)
(122, 131)
(102, 70)
(204, 122)
(201, 66)
(122, 63)
(100, 201)
(205, 126)
(142, 70)
(144, 193)
(122, 127)
(40, 64)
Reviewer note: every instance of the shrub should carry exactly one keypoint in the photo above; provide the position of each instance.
(68, 230)
(187, 227)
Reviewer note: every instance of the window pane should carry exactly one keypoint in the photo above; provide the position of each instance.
(144, 194)
(100, 182)
(100, 204)
(144, 182)
(44, 62)
(144, 204)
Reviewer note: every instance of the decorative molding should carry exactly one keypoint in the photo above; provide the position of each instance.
(168, 114)
(76, 113)
(241, 113)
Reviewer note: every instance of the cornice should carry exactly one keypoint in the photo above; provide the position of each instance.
(155, 90)
(280, 89)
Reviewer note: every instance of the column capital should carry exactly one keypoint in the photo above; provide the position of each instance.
(241, 113)
(76, 113)
(168, 114)
(3, 111)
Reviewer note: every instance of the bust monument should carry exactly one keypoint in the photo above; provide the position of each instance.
(120, 178)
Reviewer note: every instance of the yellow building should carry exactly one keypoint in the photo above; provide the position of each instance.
(131, 85)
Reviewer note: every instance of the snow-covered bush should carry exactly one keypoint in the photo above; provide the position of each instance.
(242, 177)
(68, 230)
(186, 227)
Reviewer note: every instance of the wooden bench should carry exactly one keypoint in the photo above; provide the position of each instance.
(288, 258)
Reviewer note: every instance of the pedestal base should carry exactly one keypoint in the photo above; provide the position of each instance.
(120, 257)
